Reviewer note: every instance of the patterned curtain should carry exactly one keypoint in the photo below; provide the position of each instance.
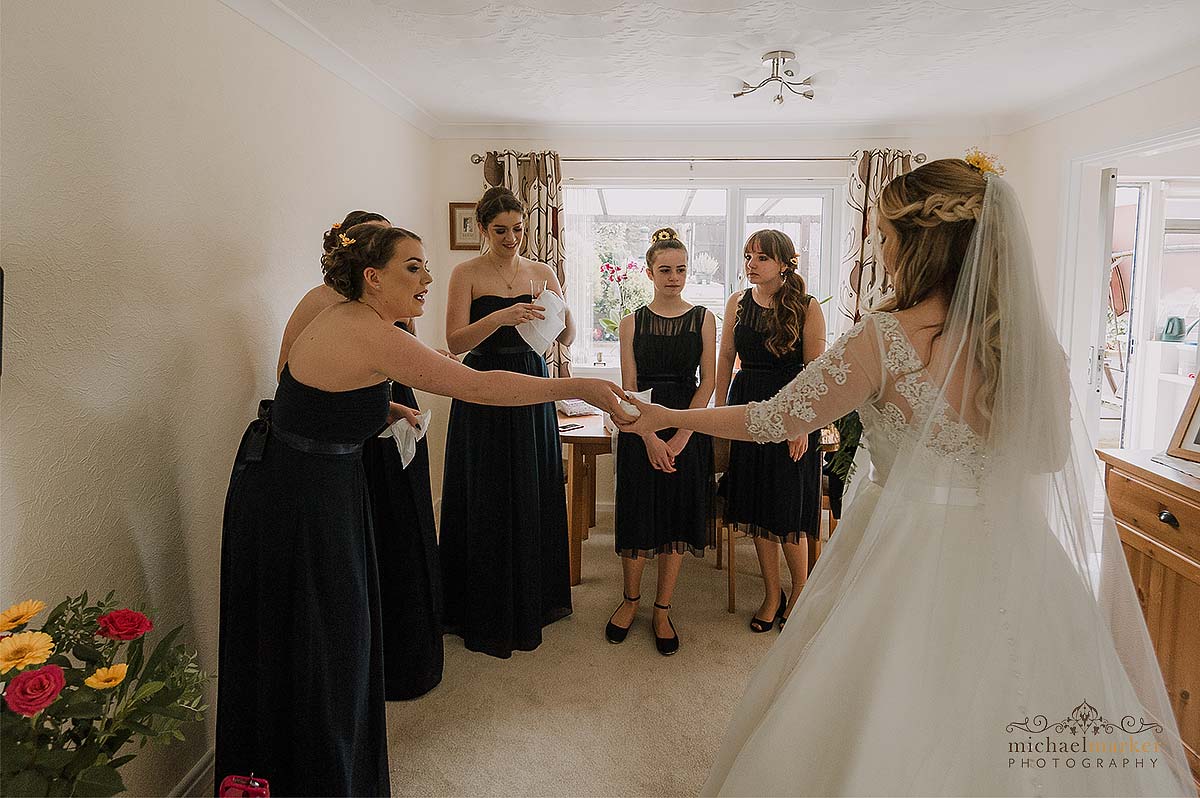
(863, 281)
(536, 179)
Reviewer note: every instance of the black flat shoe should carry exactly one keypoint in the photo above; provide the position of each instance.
(758, 625)
(666, 645)
(616, 634)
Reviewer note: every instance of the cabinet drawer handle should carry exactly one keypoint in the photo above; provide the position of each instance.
(1168, 518)
(1185, 695)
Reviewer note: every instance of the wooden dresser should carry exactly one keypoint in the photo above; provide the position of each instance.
(1157, 510)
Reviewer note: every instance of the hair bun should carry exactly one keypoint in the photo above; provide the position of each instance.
(664, 234)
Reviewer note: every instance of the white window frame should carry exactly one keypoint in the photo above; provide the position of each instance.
(831, 190)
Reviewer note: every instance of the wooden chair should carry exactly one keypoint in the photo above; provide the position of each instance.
(725, 532)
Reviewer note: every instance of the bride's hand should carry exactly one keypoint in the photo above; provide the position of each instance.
(798, 447)
(653, 418)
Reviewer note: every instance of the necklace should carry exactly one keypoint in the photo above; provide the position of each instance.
(500, 271)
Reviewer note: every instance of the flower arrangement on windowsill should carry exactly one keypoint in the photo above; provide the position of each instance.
(628, 299)
(81, 688)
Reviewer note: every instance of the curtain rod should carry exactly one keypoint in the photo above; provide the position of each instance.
(919, 157)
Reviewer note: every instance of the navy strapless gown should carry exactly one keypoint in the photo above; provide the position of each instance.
(504, 548)
(300, 697)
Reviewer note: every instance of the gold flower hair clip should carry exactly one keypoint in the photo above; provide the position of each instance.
(983, 162)
(337, 225)
(795, 260)
(345, 241)
(665, 235)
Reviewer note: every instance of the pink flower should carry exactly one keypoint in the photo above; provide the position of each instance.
(124, 625)
(32, 691)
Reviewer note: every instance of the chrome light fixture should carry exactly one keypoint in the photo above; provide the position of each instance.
(778, 60)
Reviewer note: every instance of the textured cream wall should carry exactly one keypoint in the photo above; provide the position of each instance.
(168, 169)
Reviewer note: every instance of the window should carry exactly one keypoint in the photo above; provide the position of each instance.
(607, 232)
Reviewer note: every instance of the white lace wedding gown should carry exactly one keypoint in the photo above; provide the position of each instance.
(928, 629)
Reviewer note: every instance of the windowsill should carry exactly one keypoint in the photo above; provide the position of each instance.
(605, 372)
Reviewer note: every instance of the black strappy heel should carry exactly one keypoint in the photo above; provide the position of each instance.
(758, 625)
(782, 617)
(616, 634)
(665, 645)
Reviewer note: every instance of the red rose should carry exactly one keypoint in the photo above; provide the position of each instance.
(32, 691)
(124, 625)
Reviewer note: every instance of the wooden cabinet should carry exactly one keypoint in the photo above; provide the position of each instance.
(1157, 510)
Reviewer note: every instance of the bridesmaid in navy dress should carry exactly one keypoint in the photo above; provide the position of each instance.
(300, 696)
(664, 479)
(402, 511)
(504, 547)
(774, 328)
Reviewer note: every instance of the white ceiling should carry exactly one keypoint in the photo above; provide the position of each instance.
(460, 68)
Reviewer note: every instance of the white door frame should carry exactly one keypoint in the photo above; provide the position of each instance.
(1081, 280)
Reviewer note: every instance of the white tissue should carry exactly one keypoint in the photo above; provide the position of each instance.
(406, 435)
(641, 396)
(540, 333)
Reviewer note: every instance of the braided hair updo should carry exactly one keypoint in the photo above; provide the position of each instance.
(361, 247)
(933, 209)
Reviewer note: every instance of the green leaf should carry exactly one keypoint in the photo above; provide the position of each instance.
(134, 657)
(83, 710)
(84, 757)
(85, 653)
(99, 780)
(140, 728)
(146, 690)
(27, 782)
(53, 758)
(59, 788)
(57, 612)
(160, 651)
(122, 760)
(14, 756)
(173, 711)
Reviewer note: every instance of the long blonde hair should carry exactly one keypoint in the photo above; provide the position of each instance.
(934, 210)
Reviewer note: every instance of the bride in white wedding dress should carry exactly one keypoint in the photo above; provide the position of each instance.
(972, 628)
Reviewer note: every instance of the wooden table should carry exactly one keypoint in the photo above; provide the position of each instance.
(586, 444)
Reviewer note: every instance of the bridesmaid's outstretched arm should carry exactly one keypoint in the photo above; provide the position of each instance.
(400, 356)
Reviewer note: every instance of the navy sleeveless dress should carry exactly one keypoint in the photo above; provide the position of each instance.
(300, 674)
(775, 497)
(660, 513)
(410, 575)
(503, 537)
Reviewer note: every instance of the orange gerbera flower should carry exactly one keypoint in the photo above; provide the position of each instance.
(24, 649)
(20, 614)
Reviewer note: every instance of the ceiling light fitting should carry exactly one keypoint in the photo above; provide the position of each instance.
(778, 60)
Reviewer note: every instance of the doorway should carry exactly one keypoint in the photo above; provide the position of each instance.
(1130, 288)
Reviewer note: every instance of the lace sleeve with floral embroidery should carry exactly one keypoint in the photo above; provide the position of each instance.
(848, 375)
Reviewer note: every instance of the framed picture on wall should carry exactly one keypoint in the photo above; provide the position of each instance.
(464, 233)
(1185, 443)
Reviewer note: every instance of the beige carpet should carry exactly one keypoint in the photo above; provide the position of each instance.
(580, 716)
